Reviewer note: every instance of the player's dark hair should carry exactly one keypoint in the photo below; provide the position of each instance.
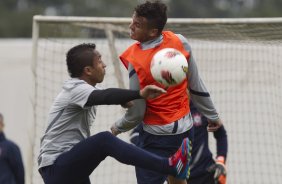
(155, 12)
(79, 57)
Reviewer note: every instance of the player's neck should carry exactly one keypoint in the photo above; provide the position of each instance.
(86, 79)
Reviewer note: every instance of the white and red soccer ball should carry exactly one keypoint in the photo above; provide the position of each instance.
(169, 67)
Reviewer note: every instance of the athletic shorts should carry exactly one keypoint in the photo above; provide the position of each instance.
(162, 145)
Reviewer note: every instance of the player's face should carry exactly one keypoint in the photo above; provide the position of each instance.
(98, 69)
(140, 30)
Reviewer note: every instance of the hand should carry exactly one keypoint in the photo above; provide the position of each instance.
(219, 170)
(214, 125)
(151, 91)
(114, 130)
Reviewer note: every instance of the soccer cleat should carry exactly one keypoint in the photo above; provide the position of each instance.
(180, 160)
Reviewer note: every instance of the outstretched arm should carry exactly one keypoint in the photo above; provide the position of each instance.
(111, 96)
(121, 96)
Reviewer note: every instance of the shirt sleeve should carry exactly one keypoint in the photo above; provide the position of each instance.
(112, 96)
(221, 142)
(135, 114)
(197, 89)
(80, 94)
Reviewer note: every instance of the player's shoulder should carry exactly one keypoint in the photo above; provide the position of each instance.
(11, 144)
(75, 83)
(181, 37)
(76, 89)
(184, 41)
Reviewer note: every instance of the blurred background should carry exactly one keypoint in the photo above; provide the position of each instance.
(16, 15)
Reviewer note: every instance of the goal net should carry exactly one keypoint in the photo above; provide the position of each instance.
(239, 60)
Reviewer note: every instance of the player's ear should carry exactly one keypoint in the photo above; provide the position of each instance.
(154, 32)
(87, 70)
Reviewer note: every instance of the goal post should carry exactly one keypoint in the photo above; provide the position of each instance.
(239, 60)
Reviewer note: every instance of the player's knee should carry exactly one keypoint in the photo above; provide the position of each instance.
(104, 135)
(100, 139)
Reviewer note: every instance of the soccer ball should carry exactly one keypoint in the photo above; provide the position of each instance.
(169, 67)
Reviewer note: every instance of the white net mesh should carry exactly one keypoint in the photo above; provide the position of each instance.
(239, 60)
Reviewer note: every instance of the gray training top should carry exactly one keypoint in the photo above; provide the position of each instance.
(68, 122)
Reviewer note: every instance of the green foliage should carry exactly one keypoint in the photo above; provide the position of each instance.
(8, 4)
(16, 15)
(16, 23)
(269, 8)
(103, 8)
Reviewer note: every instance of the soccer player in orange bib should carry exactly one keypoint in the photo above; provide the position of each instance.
(167, 119)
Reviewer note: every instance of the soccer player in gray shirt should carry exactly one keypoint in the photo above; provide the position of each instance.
(68, 154)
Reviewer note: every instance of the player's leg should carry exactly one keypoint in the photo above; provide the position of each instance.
(205, 178)
(162, 146)
(87, 181)
(76, 165)
(173, 180)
